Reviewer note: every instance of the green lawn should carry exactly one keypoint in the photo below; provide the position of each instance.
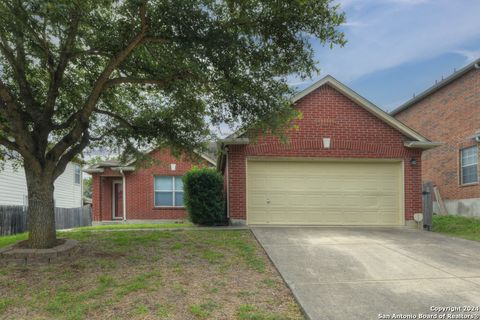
(157, 274)
(6, 240)
(458, 226)
(138, 226)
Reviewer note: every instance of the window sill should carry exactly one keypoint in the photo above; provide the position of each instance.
(469, 184)
(166, 208)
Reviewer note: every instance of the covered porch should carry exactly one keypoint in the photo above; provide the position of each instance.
(111, 184)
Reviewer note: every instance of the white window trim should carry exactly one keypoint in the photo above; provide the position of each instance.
(75, 175)
(463, 166)
(173, 191)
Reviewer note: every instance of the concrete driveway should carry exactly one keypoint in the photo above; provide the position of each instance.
(363, 273)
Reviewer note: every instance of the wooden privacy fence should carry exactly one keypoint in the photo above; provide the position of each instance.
(71, 218)
(13, 219)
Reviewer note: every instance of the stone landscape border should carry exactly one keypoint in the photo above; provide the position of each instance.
(24, 256)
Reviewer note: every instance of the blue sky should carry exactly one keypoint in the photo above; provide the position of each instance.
(399, 47)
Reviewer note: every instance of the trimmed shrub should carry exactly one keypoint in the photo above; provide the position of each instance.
(203, 195)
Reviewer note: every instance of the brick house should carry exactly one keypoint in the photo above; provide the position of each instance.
(126, 192)
(449, 112)
(347, 163)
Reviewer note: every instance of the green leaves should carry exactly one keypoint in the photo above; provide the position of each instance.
(203, 188)
(197, 63)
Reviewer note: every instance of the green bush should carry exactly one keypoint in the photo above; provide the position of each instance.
(203, 192)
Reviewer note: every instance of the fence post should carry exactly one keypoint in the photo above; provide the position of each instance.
(427, 204)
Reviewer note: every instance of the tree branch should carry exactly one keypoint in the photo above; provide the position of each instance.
(154, 81)
(41, 42)
(131, 80)
(70, 154)
(65, 55)
(67, 123)
(10, 145)
(82, 121)
(117, 117)
(143, 18)
(155, 40)
(19, 73)
(100, 138)
(92, 51)
(16, 118)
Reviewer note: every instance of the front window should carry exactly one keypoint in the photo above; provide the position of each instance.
(77, 174)
(168, 191)
(468, 161)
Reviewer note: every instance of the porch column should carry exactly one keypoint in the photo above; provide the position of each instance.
(124, 190)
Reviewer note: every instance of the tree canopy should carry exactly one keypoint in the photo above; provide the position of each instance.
(74, 72)
(136, 73)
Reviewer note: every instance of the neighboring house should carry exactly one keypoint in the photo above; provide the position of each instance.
(68, 186)
(126, 192)
(348, 163)
(449, 112)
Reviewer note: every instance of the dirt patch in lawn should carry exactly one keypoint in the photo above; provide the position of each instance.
(151, 275)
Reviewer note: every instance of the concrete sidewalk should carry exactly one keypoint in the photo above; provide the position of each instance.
(363, 273)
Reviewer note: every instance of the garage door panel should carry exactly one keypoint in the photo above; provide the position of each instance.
(326, 199)
(348, 193)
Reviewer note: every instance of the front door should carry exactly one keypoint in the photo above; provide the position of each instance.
(117, 200)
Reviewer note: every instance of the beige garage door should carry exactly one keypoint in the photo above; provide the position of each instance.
(325, 193)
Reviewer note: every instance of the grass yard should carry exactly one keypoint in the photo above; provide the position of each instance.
(6, 240)
(174, 274)
(458, 226)
(138, 226)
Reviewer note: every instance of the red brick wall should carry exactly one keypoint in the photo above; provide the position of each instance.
(102, 194)
(140, 192)
(451, 116)
(354, 133)
(96, 198)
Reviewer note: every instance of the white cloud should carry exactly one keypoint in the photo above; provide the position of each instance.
(387, 33)
(360, 4)
(469, 55)
(354, 24)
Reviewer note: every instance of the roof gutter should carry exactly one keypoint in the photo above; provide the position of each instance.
(222, 146)
(94, 170)
(208, 159)
(122, 169)
(424, 145)
(234, 141)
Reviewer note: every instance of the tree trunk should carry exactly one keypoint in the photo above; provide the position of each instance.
(41, 210)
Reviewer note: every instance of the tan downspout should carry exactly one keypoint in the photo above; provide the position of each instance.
(124, 190)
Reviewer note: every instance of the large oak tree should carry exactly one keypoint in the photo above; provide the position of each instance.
(133, 73)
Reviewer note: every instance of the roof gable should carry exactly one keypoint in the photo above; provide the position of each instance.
(128, 166)
(236, 137)
(362, 102)
(201, 155)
